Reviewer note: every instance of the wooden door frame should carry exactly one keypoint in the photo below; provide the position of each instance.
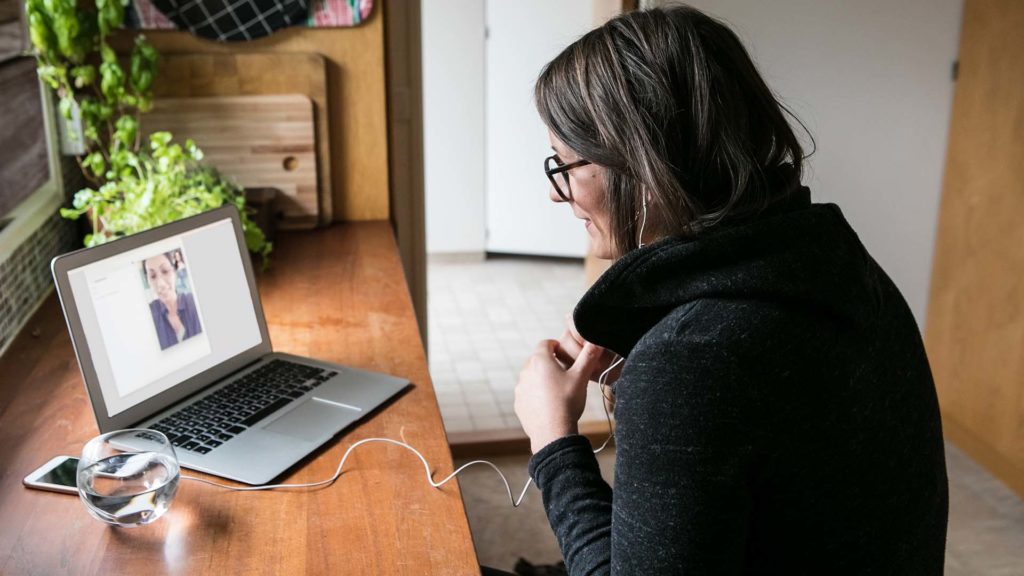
(404, 80)
(404, 86)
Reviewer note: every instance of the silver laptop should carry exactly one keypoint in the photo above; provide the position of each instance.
(170, 335)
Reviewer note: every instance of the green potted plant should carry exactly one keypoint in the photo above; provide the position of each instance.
(136, 183)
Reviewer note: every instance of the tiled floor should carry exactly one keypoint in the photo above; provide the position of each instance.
(986, 521)
(484, 319)
(985, 535)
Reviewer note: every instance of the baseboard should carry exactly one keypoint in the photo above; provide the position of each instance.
(455, 257)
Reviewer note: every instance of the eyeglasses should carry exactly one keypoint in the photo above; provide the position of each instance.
(553, 167)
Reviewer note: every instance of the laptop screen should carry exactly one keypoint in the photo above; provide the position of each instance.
(161, 313)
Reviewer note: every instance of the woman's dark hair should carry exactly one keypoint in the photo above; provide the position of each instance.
(670, 103)
(145, 272)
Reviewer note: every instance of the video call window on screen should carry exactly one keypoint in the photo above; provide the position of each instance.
(172, 302)
(159, 314)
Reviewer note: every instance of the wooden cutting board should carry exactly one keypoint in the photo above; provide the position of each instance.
(257, 141)
(257, 74)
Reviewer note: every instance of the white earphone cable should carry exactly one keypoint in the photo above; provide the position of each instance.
(643, 223)
(426, 467)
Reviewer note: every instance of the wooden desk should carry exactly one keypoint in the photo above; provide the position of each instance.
(337, 294)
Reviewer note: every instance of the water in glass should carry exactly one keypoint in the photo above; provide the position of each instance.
(129, 477)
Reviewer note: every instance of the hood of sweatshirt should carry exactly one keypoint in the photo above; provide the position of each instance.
(796, 254)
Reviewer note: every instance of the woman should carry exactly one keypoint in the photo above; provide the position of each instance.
(182, 272)
(775, 411)
(174, 312)
(179, 261)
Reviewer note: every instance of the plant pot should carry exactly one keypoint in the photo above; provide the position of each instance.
(261, 200)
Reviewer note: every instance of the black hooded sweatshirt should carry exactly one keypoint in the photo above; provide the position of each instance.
(775, 414)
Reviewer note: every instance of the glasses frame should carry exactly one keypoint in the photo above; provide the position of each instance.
(561, 169)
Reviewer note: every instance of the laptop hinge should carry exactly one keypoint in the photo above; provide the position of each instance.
(188, 399)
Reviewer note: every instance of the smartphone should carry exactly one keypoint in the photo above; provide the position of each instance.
(57, 475)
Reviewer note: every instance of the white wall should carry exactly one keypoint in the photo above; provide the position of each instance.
(453, 124)
(872, 81)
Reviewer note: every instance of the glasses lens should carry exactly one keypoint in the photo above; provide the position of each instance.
(559, 181)
(563, 182)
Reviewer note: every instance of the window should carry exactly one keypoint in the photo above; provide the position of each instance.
(24, 162)
(30, 183)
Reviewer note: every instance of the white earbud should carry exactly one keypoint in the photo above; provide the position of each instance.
(643, 222)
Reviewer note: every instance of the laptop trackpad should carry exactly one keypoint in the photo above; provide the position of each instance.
(313, 420)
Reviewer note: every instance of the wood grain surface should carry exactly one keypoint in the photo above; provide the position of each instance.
(404, 53)
(337, 294)
(357, 101)
(256, 141)
(975, 327)
(257, 74)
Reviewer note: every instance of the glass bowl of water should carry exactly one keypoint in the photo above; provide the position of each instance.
(128, 477)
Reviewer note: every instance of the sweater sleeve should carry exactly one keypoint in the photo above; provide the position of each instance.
(682, 490)
(578, 502)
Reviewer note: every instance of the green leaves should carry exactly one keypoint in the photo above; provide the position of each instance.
(65, 28)
(95, 164)
(107, 53)
(68, 38)
(39, 29)
(52, 75)
(83, 75)
(124, 133)
(123, 164)
(143, 66)
(136, 187)
(151, 188)
(110, 15)
(95, 114)
(61, 30)
(111, 81)
(158, 142)
(66, 107)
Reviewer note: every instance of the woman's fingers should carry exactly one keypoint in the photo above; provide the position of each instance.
(571, 327)
(546, 347)
(571, 342)
(550, 397)
(569, 346)
(587, 361)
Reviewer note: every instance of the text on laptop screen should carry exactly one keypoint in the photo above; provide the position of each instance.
(160, 314)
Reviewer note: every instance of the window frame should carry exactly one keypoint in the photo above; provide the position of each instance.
(35, 210)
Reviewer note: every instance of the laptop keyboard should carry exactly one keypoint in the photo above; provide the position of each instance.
(204, 425)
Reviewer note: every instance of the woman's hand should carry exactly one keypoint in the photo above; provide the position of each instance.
(550, 397)
(570, 345)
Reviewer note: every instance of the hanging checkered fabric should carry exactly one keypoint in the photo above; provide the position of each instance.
(233, 20)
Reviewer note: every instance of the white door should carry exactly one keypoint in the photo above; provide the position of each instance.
(872, 80)
(523, 36)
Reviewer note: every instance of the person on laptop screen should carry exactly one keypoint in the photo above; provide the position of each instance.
(173, 307)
